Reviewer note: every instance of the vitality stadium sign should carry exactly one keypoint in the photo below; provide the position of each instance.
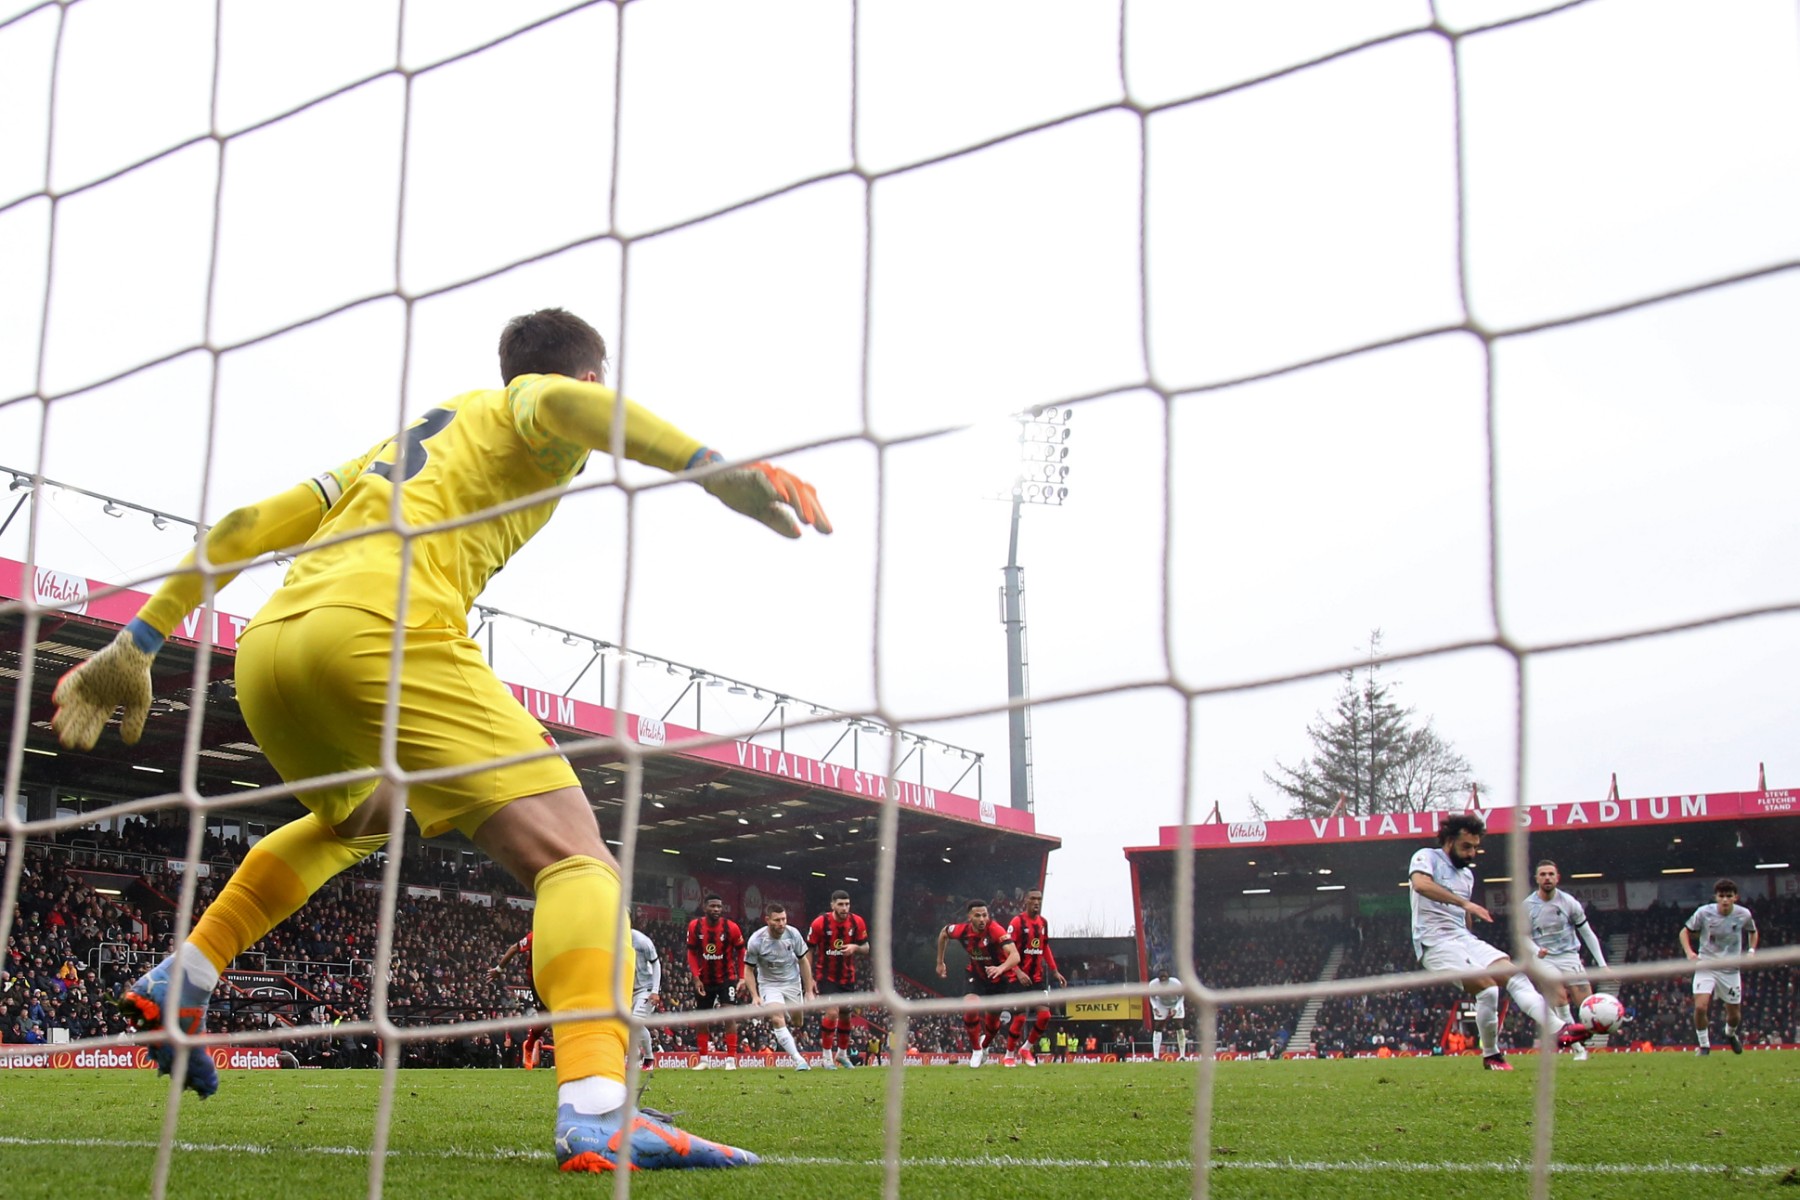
(1540, 818)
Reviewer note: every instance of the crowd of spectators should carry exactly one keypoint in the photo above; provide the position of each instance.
(73, 949)
(1240, 954)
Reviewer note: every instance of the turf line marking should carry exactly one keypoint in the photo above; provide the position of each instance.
(1365, 1166)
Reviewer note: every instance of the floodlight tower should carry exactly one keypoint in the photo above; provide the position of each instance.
(1042, 478)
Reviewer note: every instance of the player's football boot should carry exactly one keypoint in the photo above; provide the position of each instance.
(1496, 1062)
(1010, 1060)
(1735, 1040)
(144, 1002)
(1704, 1051)
(1572, 1034)
(1581, 1054)
(975, 1059)
(830, 1064)
(1027, 1057)
(731, 1063)
(589, 1143)
(843, 1060)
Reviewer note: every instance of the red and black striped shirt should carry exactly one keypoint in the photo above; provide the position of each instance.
(715, 950)
(832, 937)
(985, 945)
(1032, 936)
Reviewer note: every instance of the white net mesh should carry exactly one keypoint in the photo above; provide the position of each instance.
(1461, 222)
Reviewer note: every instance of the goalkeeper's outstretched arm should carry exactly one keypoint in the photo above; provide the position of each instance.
(119, 675)
(582, 411)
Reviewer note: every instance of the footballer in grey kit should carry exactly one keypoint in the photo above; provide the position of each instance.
(1443, 879)
(778, 971)
(1557, 921)
(1726, 929)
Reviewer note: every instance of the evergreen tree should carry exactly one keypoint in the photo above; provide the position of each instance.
(1372, 755)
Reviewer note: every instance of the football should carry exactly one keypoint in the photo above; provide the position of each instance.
(1601, 1012)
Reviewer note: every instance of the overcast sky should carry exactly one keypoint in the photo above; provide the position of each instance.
(1614, 152)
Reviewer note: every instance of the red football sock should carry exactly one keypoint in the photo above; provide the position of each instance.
(972, 1023)
(1018, 1030)
(827, 1034)
(731, 1044)
(1043, 1023)
(705, 1039)
(843, 1039)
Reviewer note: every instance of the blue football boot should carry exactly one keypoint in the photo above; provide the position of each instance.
(589, 1143)
(144, 1002)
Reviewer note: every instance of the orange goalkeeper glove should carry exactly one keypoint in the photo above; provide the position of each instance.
(118, 676)
(766, 493)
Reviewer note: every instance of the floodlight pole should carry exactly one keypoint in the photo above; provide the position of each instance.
(1013, 617)
(1043, 479)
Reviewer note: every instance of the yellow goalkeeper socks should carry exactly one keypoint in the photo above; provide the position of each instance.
(574, 955)
(280, 874)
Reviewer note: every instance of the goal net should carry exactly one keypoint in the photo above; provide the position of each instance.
(1465, 321)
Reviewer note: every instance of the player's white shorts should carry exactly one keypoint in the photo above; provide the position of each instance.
(1728, 984)
(1163, 1008)
(642, 1004)
(1568, 965)
(781, 993)
(1465, 953)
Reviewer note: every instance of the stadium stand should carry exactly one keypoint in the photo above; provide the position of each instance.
(1260, 918)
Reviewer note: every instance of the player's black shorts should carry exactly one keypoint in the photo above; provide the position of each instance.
(980, 985)
(718, 995)
(829, 987)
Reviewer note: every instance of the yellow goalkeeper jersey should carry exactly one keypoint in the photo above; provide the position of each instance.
(478, 450)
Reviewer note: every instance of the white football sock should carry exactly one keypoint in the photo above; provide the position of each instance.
(1562, 1013)
(1156, 1045)
(784, 1037)
(1487, 1019)
(1704, 1037)
(1531, 1001)
(1181, 1042)
(196, 968)
(596, 1095)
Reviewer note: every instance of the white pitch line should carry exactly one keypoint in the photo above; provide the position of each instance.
(1364, 1166)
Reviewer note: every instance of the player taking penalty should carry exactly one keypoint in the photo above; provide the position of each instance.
(1443, 878)
(312, 675)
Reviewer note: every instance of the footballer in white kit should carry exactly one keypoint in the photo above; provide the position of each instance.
(1164, 1009)
(1723, 926)
(646, 984)
(1443, 879)
(1557, 922)
(778, 971)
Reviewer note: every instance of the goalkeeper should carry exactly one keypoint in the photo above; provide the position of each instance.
(312, 681)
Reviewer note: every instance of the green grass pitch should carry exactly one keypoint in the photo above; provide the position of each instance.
(1627, 1126)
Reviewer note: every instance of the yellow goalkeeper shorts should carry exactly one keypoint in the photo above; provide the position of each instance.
(313, 689)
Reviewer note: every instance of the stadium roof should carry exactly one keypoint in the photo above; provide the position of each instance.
(740, 801)
(1704, 833)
